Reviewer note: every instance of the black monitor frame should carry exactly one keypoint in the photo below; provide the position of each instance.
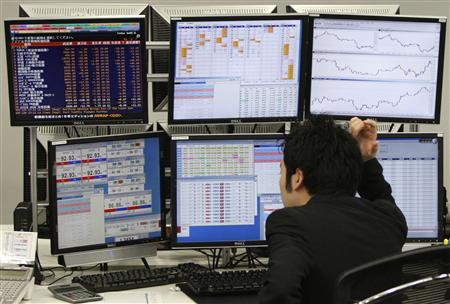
(142, 118)
(163, 143)
(302, 68)
(440, 202)
(182, 138)
(392, 18)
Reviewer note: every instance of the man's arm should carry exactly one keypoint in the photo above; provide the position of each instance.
(290, 259)
(373, 186)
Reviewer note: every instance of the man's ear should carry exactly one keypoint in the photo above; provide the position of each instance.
(297, 179)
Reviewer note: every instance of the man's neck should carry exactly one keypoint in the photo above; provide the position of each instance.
(302, 198)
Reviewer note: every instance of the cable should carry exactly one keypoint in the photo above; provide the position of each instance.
(73, 269)
(53, 268)
(217, 257)
(76, 131)
(249, 258)
(66, 131)
(207, 256)
(86, 269)
(390, 128)
(254, 128)
(64, 276)
(145, 263)
(50, 275)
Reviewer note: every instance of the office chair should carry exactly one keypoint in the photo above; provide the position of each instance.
(416, 276)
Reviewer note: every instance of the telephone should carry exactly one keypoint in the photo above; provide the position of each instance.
(17, 249)
(16, 284)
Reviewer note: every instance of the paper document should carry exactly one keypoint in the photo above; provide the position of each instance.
(17, 247)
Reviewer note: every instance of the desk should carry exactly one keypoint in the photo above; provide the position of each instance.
(158, 294)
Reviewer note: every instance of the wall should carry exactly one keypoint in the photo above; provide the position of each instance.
(11, 138)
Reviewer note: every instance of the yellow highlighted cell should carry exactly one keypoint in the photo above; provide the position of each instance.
(286, 50)
(224, 32)
(290, 71)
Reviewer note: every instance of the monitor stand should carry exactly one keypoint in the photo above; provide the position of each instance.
(107, 255)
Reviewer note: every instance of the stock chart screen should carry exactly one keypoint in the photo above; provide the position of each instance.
(389, 68)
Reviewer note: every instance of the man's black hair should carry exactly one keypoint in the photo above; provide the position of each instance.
(328, 156)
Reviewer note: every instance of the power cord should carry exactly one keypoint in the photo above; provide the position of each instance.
(64, 276)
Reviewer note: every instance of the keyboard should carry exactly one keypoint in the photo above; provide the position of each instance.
(227, 282)
(138, 278)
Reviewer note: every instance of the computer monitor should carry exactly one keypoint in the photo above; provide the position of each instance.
(367, 9)
(412, 164)
(85, 9)
(106, 192)
(77, 71)
(236, 69)
(223, 189)
(160, 16)
(387, 67)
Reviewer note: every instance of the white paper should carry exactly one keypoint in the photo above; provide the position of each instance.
(17, 247)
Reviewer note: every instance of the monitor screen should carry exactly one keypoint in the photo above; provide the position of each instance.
(160, 16)
(236, 69)
(388, 67)
(412, 164)
(105, 191)
(77, 71)
(223, 189)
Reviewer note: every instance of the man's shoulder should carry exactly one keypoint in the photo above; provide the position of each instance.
(287, 215)
(380, 204)
(385, 209)
(288, 211)
(291, 222)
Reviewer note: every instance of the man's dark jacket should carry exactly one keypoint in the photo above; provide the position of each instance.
(311, 245)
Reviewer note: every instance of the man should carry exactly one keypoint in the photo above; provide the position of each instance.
(324, 229)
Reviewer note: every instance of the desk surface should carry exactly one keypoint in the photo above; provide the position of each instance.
(158, 294)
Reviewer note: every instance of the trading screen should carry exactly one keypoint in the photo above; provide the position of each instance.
(77, 71)
(375, 68)
(225, 189)
(107, 192)
(411, 167)
(236, 69)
